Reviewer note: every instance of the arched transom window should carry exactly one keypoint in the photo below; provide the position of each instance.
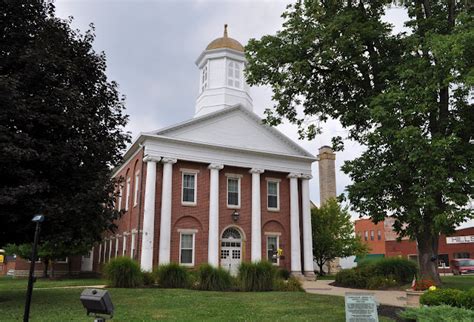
(231, 233)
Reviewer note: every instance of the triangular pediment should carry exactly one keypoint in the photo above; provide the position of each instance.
(234, 127)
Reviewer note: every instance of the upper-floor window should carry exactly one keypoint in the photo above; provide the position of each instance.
(137, 185)
(273, 195)
(234, 74)
(127, 194)
(119, 205)
(233, 192)
(379, 235)
(204, 79)
(189, 188)
(366, 235)
(372, 235)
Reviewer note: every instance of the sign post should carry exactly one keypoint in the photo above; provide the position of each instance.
(361, 307)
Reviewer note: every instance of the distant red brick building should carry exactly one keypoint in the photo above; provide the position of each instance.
(382, 240)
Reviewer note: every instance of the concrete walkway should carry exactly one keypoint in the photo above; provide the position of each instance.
(393, 298)
(74, 286)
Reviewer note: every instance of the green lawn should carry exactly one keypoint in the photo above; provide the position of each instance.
(152, 304)
(460, 282)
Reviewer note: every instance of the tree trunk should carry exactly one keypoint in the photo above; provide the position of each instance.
(428, 256)
(45, 267)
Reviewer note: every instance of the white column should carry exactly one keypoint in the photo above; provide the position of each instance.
(100, 254)
(165, 225)
(307, 228)
(256, 253)
(110, 248)
(146, 260)
(213, 245)
(294, 225)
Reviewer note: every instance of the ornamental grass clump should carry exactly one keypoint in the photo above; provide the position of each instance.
(256, 277)
(210, 278)
(123, 272)
(172, 276)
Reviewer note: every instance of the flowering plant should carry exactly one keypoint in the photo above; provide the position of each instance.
(422, 285)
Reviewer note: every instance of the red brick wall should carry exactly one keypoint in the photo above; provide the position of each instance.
(366, 225)
(197, 216)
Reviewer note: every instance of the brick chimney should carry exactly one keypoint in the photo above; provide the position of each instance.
(327, 174)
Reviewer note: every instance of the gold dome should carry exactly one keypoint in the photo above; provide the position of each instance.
(225, 42)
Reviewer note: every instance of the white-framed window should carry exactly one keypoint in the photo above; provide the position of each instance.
(366, 235)
(119, 207)
(136, 187)
(234, 74)
(379, 235)
(443, 261)
(233, 192)
(186, 248)
(273, 243)
(127, 195)
(204, 78)
(372, 235)
(133, 243)
(189, 188)
(124, 246)
(64, 260)
(273, 195)
(413, 257)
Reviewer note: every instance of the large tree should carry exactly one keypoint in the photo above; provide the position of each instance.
(333, 234)
(404, 96)
(61, 129)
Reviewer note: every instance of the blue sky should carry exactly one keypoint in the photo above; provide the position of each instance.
(151, 47)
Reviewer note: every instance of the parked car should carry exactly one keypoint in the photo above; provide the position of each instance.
(462, 266)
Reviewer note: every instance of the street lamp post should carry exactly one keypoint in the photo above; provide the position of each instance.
(38, 219)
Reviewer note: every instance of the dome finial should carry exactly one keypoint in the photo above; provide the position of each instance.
(225, 31)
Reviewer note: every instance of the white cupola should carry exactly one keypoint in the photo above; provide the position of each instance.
(222, 82)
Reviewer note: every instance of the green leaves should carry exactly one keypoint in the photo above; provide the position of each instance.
(61, 129)
(333, 233)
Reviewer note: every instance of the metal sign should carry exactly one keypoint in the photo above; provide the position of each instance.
(460, 239)
(361, 307)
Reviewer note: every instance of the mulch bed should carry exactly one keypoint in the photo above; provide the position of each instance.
(390, 312)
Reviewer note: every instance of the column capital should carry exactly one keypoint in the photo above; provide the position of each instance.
(293, 175)
(169, 160)
(306, 176)
(215, 166)
(150, 158)
(257, 170)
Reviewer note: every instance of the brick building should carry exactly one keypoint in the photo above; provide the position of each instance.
(220, 188)
(382, 241)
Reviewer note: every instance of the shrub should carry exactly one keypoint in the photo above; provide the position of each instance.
(213, 279)
(172, 276)
(148, 278)
(447, 296)
(467, 299)
(257, 276)
(351, 278)
(381, 282)
(284, 273)
(438, 313)
(123, 272)
(452, 297)
(290, 285)
(401, 269)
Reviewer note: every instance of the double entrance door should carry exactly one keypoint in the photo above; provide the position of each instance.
(231, 252)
